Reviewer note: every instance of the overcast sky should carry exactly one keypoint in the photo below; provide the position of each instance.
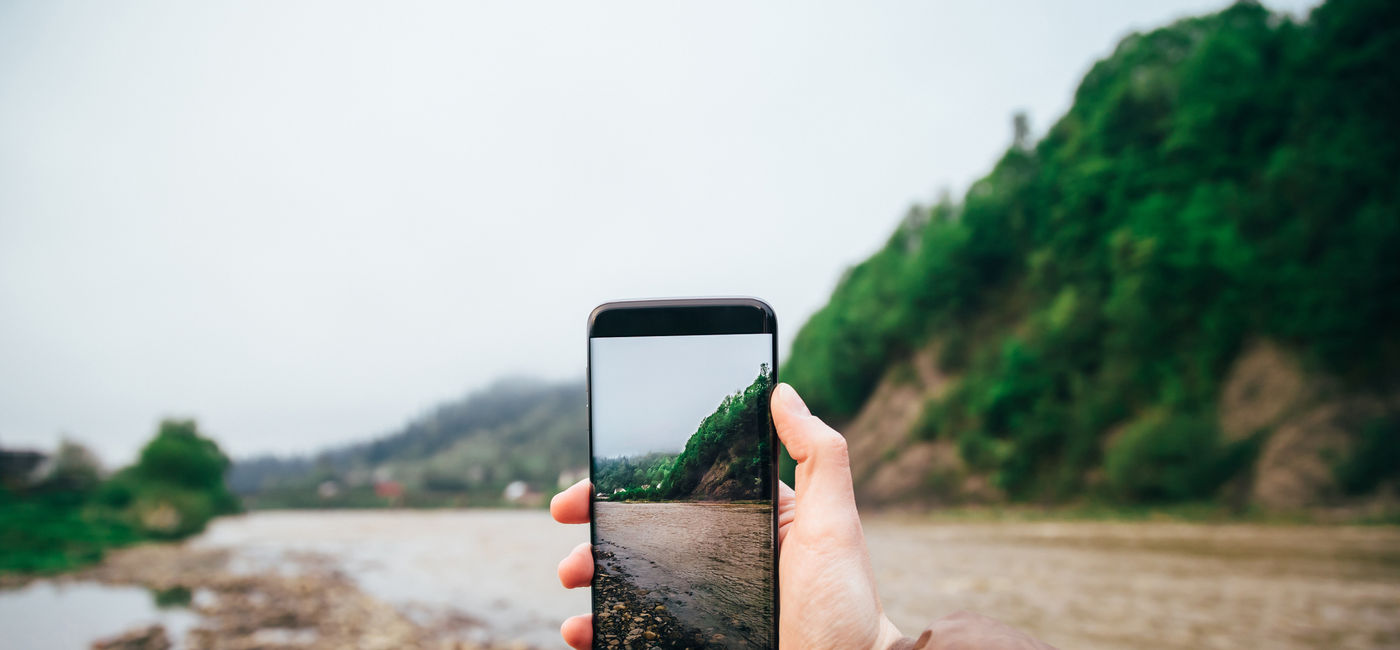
(651, 392)
(303, 223)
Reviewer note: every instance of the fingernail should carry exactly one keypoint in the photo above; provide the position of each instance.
(791, 401)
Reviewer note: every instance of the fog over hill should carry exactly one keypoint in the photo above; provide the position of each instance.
(514, 430)
(1184, 291)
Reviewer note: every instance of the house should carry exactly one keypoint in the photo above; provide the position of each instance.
(19, 468)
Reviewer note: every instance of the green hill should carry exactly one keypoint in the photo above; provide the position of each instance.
(727, 456)
(724, 460)
(1188, 289)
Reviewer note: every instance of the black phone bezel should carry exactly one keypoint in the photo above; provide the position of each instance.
(684, 317)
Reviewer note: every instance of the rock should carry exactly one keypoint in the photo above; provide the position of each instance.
(318, 609)
(1296, 467)
(146, 638)
(1264, 382)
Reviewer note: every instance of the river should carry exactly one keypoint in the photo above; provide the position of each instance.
(706, 562)
(1077, 585)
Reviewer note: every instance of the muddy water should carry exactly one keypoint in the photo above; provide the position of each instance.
(1078, 585)
(63, 615)
(709, 564)
(1141, 585)
(491, 570)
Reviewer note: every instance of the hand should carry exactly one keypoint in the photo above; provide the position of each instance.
(826, 585)
(969, 631)
(825, 582)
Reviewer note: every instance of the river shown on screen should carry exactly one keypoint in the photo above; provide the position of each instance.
(684, 574)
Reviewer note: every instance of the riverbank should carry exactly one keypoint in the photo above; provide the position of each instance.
(1383, 513)
(629, 619)
(330, 579)
(379, 578)
(1168, 585)
(710, 564)
(317, 608)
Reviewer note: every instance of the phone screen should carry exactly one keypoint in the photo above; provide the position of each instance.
(682, 462)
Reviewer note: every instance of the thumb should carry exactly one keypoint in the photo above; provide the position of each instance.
(823, 463)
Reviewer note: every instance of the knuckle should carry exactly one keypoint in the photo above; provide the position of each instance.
(834, 446)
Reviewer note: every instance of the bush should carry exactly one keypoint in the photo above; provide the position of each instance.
(68, 520)
(43, 534)
(180, 456)
(1376, 457)
(1164, 456)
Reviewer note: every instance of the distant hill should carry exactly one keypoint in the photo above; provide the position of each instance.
(463, 452)
(1188, 289)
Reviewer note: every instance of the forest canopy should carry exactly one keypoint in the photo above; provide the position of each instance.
(73, 514)
(1225, 178)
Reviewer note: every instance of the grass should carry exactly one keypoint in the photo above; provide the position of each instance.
(47, 536)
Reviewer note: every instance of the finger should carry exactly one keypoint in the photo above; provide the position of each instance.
(823, 463)
(787, 510)
(576, 569)
(578, 631)
(571, 505)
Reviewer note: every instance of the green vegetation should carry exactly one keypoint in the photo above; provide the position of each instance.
(70, 517)
(727, 458)
(1223, 178)
(632, 479)
(1375, 459)
(1173, 457)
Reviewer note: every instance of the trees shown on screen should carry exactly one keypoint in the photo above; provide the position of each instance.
(726, 459)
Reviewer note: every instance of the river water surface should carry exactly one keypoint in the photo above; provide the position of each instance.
(710, 564)
(1077, 585)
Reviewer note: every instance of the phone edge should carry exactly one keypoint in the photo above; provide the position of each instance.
(771, 320)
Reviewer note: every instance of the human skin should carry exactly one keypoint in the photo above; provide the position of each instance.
(825, 582)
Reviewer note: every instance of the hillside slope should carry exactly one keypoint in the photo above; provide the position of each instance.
(1221, 196)
(726, 458)
(469, 449)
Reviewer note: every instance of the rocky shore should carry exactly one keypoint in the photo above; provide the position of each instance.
(313, 608)
(631, 618)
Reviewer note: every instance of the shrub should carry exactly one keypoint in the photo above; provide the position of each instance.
(1375, 458)
(1164, 456)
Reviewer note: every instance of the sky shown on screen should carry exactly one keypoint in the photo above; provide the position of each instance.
(649, 393)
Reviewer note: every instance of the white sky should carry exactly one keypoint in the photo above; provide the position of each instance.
(651, 392)
(304, 222)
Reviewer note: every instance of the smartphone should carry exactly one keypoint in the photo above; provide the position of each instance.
(684, 466)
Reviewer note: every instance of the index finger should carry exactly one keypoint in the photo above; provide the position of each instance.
(571, 505)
